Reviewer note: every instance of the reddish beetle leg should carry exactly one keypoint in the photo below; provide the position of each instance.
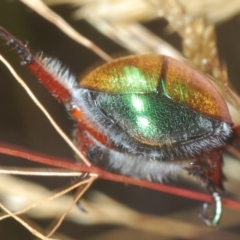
(209, 171)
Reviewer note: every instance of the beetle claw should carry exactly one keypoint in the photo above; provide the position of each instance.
(212, 221)
(81, 208)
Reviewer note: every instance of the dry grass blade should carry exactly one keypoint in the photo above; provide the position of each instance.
(44, 11)
(49, 172)
(214, 11)
(81, 191)
(47, 199)
(32, 230)
(117, 213)
(103, 210)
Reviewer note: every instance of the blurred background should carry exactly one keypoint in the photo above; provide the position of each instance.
(22, 124)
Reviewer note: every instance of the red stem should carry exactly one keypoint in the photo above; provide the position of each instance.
(68, 164)
(233, 151)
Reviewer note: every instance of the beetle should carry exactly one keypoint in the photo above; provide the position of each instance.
(145, 116)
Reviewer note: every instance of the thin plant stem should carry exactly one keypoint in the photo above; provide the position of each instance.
(27, 226)
(50, 198)
(39, 7)
(79, 195)
(48, 160)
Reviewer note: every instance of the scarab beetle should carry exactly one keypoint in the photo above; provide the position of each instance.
(146, 116)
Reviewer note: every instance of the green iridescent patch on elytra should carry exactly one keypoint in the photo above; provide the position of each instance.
(154, 118)
(126, 75)
(178, 91)
(135, 80)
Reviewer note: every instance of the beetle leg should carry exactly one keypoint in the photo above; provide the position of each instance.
(212, 221)
(83, 177)
(208, 170)
(57, 80)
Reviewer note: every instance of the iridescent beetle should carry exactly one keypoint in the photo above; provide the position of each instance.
(146, 116)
